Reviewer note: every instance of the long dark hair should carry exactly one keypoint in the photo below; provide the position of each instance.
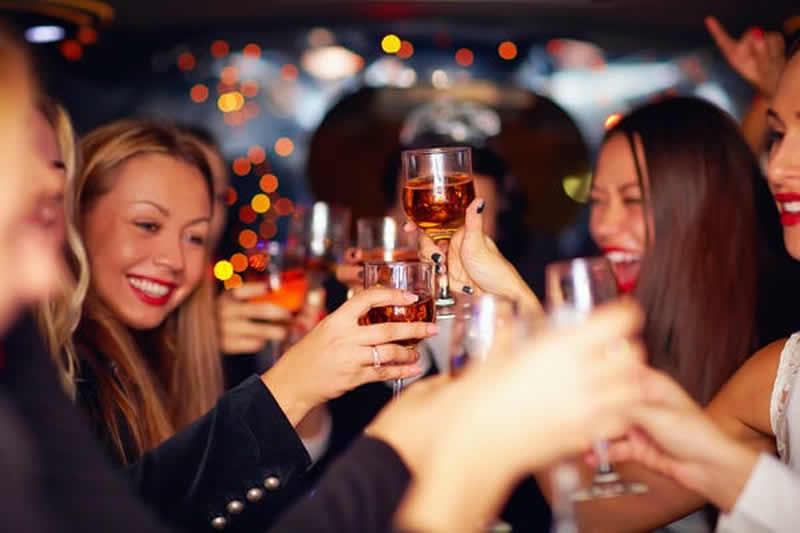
(698, 278)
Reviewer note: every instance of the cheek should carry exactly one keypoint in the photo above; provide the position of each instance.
(640, 226)
(196, 262)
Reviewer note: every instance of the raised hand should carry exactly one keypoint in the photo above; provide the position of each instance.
(246, 327)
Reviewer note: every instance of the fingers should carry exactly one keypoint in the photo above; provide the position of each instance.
(241, 345)
(350, 275)
(255, 330)
(427, 249)
(248, 290)
(473, 223)
(352, 256)
(725, 42)
(391, 332)
(392, 354)
(388, 372)
(375, 297)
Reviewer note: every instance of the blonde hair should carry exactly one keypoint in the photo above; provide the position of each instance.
(58, 318)
(182, 379)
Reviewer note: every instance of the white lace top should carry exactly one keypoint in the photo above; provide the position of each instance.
(769, 500)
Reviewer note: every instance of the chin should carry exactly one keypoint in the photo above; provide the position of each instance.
(143, 322)
(791, 239)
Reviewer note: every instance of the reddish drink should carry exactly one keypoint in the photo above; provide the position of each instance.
(376, 255)
(420, 311)
(438, 206)
(286, 289)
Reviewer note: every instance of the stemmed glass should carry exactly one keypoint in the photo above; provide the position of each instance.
(382, 239)
(411, 276)
(319, 235)
(438, 188)
(573, 288)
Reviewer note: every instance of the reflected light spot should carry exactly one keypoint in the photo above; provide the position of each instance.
(256, 154)
(252, 50)
(231, 196)
(234, 282)
(220, 48)
(247, 239)
(229, 75)
(464, 57)
(439, 79)
(199, 93)
(289, 72)
(247, 215)
(186, 61)
(71, 49)
(267, 229)
(268, 183)
(258, 261)
(87, 35)
(250, 88)
(284, 147)
(260, 203)
(284, 207)
(391, 43)
(577, 187)
(223, 270)
(44, 34)
(507, 50)
(241, 166)
(239, 262)
(406, 50)
(612, 120)
(332, 62)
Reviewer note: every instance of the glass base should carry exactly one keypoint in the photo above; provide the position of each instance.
(608, 485)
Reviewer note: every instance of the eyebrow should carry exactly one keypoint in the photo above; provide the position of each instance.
(629, 186)
(165, 212)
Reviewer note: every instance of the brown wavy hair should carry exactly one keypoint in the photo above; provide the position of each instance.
(698, 279)
(180, 378)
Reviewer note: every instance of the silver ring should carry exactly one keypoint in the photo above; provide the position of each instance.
(376, 357)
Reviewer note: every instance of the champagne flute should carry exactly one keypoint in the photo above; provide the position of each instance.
(438, 188)
(411, 276)
(573, 288)
(383, 239)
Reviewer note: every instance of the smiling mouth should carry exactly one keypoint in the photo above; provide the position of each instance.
(150, 291)
(626, 267)
(789, 208)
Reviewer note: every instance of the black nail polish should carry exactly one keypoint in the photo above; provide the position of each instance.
(481, 207)
(467, 289)
(437, 258)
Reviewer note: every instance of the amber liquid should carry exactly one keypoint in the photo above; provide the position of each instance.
(421, 311)
(287, 289)
(438, 208)
(381, 255)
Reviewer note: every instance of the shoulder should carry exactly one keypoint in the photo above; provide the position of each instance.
(742, 406)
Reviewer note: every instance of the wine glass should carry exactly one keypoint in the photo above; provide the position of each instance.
(484, 327)
(573, 288)
(382, 239)
(319, 235)
(411, 276)
(438, 187)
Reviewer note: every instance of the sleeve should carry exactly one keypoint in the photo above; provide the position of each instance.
(234, 469)
(360, 492)
(768, 502)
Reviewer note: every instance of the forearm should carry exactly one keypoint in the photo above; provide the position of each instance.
(754, 123)
(724, 479)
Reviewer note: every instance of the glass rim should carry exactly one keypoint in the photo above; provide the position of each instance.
(395, 263)
(588, 259)
(438, 150)
(377, 219)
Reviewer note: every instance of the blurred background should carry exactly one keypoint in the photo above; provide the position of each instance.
(311, 99)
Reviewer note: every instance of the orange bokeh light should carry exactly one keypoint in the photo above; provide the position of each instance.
(284, 147)
(256, 154)
(231, 196)
(252, 50)
(220, 48)
(249, 88)
(268, 183)
(406, 50)
(247, 215)
(289, 72)
(612, 120)
(71, 49)
(464, 57)
(233, 282)
(186, 61)
(251, 110)
(199, 93)
(229, 75)
(248, 238)
(267, 229)
(87, 35)
(241, 166)
(284, 206)
(239, 262)
(507, 50)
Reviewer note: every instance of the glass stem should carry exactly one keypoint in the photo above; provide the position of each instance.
(604, 468)
(397, 387)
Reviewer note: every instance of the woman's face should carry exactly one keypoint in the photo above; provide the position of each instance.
(617, 221)
(31, 221)
(146, 238)
(783, 171)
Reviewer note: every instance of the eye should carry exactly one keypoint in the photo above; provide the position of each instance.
(150, 227)
(774, 137)
(632, 200)
(196, 239)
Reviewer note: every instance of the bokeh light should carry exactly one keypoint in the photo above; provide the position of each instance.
(289, 72)
(612, 120)
(231, 101)
(247, 239)
(223, 270)
(235, 118)
(252, 50)
(199, 93)
(406, 50)
(284, 207)
(464, 57)
(233, 282)
(284, 147)
(87, 35)
(260, 203)
(186, 61)
(241, 166)
(229, 75)
(239, 262)
(250, 88)
(507, 50)
(268, 183)
(71, 49)
(220, 48)
(267, 229)
(391, 43)
(256, 154)
(231, 196)
(247, 215)
(251, 110)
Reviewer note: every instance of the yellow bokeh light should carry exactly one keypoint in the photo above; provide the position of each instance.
(223, 270)
(284, 147)
(233, 282)
(260, 203)
(239, 262)
(268, 183)
(612, 120)
(231, 101)
(391, 44)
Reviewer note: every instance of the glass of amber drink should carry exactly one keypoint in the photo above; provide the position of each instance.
(438, 188)
(412, 276)
(382, 239)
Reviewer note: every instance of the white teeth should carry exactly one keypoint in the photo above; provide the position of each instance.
(791, 207)
(622, 257)
(151, 288)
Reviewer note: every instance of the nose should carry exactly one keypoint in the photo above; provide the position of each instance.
(606, 221)
(169, 253)
(783, 170)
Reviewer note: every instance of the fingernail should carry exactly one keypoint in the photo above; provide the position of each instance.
(437, 258)
(411, 297)
(432, 329)
(481, 206)
(467, 289)
(758, 33)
